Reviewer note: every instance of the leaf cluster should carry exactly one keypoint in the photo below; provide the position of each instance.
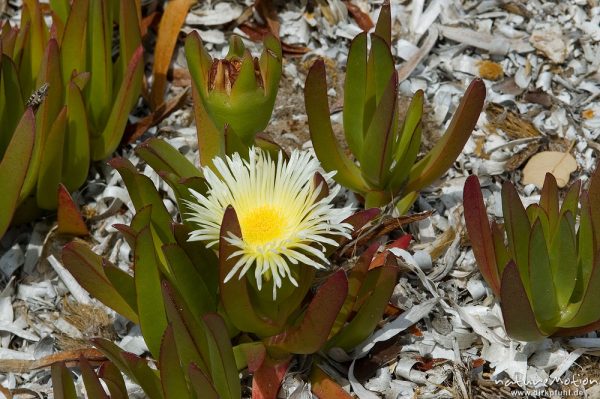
(544, 260)
(384, 149)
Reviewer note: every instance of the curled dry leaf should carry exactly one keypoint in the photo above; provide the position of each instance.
(560, 164)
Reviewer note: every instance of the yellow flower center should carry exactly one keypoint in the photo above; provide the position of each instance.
(262, 225)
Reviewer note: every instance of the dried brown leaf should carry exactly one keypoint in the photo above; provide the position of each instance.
(508, 121)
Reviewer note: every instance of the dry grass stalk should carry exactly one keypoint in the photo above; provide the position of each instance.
(511, 123)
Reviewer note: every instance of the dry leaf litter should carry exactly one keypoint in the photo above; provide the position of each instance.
(540, 60)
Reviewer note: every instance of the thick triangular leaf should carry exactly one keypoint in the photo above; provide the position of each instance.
(143, 193)
(384, 23)
(328, 151)
(201, 383)
(73, 45)
(519, 319)
(222, 362)
(189, 282)
(355, 280)
(147, 276)
(439, 159)
(50, 172)
(172, 376)
(93, 387)
(549, 200)
(354, 92)
(190, 336)
(69, 218)
(312, 332)
(377, 151)
(62, 382)
(87, 269)
(563, 258)
(127, 96)
(13, 167)
(543, 291)
(134, 366)
(516, 223)
(76, 154)
(163, 157)
(112, 377)
(480, 234)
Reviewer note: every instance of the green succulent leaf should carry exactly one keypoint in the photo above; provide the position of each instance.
(130, 37)
(112, 377)
(270, 66)
(93, 387)
(478, 227)
(246, 79)
(163, 157)
(89, 271)
(325, 144)
(549, 200)
(594, 197)
(409, 143)
(585, 248)
(517, 230)
(355, 280)
(222, 361)
(543, 290)
(380, 68)
(201, 383)
(10, 111)
(354, 92)
(63, 386)
(14, 166)
(563, 258)
(189, 281)
(500, 251)
(249, 355)
(383, 28)
(69, 220)
(127, 96)
(377, 288)
(73, 49)
(211, 141)
(51, 163)
(143, 193)
(147, 277)
(99, 63)
(377, 152)
(588, 310)
(519, 318)
(171, 375)
(443, 154)
(76, 153)
(570, 202)
(134, 366)
(312, 332)
(203, 259)
(190, 336)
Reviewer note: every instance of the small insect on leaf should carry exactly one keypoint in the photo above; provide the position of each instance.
(37, 97)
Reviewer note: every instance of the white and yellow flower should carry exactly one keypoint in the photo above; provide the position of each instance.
(281, 217)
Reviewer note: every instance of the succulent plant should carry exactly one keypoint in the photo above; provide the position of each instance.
(169, 268)
(233, 97)
(385, 149)
(547, 274)
(77, 119)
